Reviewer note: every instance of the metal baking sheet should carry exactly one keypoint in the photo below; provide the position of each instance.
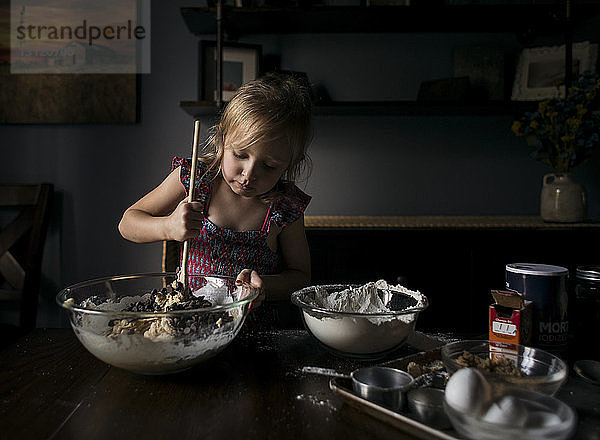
(423, 357)
(402, 421)
(398, 420)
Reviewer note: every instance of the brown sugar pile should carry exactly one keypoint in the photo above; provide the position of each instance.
(415, 369)
(499, 365)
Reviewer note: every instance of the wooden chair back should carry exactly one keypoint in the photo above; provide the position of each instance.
(22, 238)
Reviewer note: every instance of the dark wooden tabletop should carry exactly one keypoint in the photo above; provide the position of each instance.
(52, 388)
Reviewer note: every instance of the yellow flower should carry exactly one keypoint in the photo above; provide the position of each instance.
(561, 126)
(516, 128)
(566, 139)
(581, 110)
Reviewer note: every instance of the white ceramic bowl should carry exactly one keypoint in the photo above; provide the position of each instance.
(359, 335)
(154, 342)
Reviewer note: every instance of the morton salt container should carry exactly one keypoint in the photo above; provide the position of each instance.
(546, 287)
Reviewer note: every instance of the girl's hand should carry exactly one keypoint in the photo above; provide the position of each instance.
(186, 221)
(252, 278)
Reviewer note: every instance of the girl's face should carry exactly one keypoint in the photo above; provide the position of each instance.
(253, 171)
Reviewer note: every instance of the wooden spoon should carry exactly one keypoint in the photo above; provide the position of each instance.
(183, 275)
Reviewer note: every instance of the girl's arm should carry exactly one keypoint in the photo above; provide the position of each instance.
(295, 252)
(162, 214)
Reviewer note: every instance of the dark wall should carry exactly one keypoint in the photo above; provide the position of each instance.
(378, 165)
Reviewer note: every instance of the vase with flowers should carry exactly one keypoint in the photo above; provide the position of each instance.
(563, 133)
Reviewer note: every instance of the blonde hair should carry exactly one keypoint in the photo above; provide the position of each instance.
(276, 106)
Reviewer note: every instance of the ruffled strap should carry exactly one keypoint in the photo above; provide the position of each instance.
(203, 179)
(287, 208)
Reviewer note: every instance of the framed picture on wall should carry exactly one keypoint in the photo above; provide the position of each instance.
(540, 71)
(241, 63)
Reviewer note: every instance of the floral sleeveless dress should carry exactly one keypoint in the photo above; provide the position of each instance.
(222, 251)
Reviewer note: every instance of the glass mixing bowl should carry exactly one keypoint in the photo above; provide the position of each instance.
(110, 320)
(544, 372)
(546, 418)
(360, 335)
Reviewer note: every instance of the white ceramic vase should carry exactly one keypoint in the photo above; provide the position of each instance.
(563, 200)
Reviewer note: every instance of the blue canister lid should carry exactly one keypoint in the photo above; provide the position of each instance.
(536, 269)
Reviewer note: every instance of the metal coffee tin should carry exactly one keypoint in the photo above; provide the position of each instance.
(587, 312)
(546, 287)
(589, 274)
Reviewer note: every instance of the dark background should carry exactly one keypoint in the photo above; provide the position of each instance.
(362, 165)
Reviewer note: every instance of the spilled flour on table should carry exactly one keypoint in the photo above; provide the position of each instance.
(316, 401)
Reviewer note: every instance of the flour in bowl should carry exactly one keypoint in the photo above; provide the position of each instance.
(372, 298)
(382, 325)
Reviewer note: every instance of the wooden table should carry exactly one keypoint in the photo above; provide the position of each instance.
(52, 388)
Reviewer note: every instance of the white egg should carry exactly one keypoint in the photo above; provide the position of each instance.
(508, 410)
(542, 419)
(468, 391)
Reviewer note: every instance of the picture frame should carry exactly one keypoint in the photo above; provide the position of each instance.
(241, 63)
(52, 93)
(484, 65)
(539, 69)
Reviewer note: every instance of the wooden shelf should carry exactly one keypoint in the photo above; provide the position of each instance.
(391, 108)
(528, 19)
(546, 18)
(199, 108)
(330, 222)
(419, 108)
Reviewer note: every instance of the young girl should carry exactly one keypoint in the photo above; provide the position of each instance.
(246, 220)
